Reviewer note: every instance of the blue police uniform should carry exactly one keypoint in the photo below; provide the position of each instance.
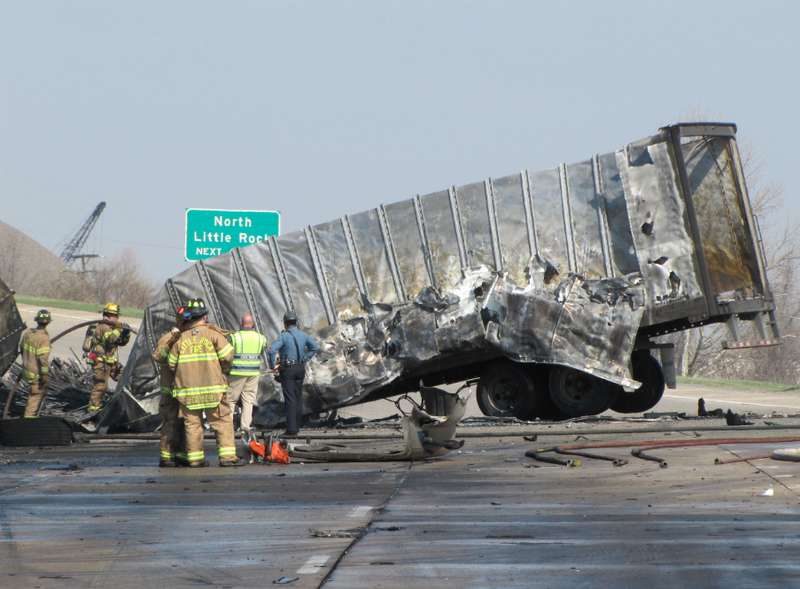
(292, 371)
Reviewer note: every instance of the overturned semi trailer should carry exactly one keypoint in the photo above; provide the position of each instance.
(547, 286)
(11, 328)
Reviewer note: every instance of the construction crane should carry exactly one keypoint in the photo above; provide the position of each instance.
(73, 249)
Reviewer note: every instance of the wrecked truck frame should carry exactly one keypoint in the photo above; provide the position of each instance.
(548, 286)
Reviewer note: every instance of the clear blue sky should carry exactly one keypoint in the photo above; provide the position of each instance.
(319, 109)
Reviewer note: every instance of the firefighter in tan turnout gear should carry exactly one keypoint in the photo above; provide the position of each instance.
(35, 348)
(199, 360)
(103, 354)
(173, 437)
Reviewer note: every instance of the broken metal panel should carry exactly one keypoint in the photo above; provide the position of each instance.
(623, 251)
(225, 285)
(442, 240)
(512, 226)
(249, 292)
(475, 225)
(585, 214)
(258, 263)
(141, 373)
(548, 211)
(372, 252)
(589, 325)
(656, 210)
(597, 326)
(729, 250)
(208, 293)
(408, 247)
(424, 436)
(298, 268)
(505, 306)
(11, 328)
(336, 264)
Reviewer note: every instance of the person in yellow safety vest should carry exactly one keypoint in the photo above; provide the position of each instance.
(173, 438)
(35, 348)
(103, 356)
(199, 360)
(243, 377)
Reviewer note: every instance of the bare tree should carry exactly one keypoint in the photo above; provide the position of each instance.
(120, 279)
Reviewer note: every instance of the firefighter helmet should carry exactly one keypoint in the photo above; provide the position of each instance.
(290, 317)
(111, 309)
(43, 317)
(196, 308)
(183, 314)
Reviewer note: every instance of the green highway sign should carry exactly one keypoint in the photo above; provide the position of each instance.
(211, 232)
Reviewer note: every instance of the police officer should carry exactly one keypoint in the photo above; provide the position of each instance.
(35, 347)
(296, 348)
(243, 377)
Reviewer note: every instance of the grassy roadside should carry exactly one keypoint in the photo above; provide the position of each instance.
(74, 306)
(772, 387)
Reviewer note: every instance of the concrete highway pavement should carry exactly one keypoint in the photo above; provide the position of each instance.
(486, 516)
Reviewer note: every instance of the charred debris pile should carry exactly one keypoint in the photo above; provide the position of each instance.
(67, 393)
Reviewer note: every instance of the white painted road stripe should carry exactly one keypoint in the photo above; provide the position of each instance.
(360, 511)
(773, 405)
(313, 564)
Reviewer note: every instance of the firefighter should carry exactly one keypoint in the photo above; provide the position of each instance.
(173, 438)
(198, 360)
(103, 356)
(243, 377)
(35, 348)
(296, 348)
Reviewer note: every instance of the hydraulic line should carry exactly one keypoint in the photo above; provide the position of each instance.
(638, 452)
(745, 459)
(615, 461)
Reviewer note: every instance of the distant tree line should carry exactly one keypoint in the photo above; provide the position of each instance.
(119, 278)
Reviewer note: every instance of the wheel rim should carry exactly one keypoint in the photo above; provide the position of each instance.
(576, 385)
(505, 393)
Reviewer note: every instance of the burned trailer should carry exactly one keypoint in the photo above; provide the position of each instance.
(11, 328)
(546, 286)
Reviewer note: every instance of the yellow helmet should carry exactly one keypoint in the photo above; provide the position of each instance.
(111, 309)
(44, 317)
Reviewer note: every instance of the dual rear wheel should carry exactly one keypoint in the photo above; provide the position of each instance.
(527, 391)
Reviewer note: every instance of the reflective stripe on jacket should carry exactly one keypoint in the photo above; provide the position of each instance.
(198, 360)
(35, 347)
(247, 345)
(161, 358)
(104, 343)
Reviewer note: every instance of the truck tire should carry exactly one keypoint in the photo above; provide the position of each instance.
(506, 390)
(578, 393)
(646, 370)
(39, 431)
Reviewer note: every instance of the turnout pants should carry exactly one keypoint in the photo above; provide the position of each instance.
(292, 383)
(244, 388)
(173, 436)
(100, 373)
(220, 418)
(35, 398)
